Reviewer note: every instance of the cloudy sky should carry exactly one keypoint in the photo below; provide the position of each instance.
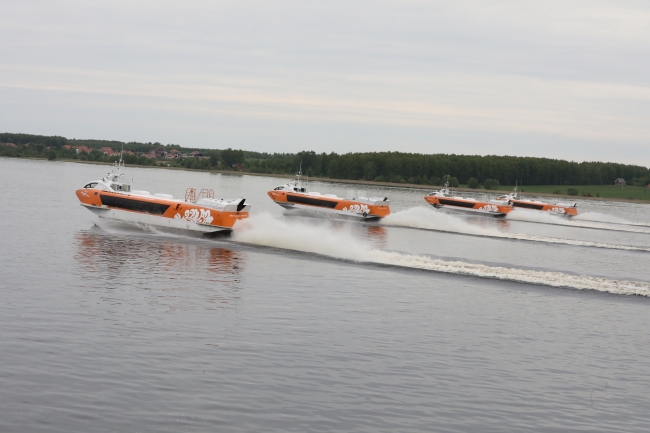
(556, 79)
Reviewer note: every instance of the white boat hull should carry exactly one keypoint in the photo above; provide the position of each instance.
(470, 211)
(307, 208)
(154, 220)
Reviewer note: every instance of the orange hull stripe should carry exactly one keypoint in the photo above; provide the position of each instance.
(326, 202)
(462, 204)
(161, 207)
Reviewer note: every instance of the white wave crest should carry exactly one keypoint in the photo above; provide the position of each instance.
(534, 216)
(600, 217)
(430, 219)
(324, 240)
(553, 279)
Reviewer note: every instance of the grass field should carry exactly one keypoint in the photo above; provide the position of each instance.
(603, 191)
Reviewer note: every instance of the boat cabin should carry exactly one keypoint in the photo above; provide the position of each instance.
(115, 180)
(293, 186)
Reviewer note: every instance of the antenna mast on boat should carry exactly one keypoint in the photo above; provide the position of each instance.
(299, 172)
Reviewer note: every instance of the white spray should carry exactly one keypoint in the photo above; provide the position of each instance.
(430, 219)
(268, 231)
(588, 220)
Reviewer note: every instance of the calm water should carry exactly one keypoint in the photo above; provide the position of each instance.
(303, 324)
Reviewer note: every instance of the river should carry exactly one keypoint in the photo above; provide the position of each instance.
(426, 321)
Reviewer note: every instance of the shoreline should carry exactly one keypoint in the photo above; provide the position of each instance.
(355, 182)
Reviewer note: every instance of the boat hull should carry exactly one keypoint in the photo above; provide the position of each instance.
(466, 205)
(353, 208)
(153, 220)
(158, 212)
(545, 207)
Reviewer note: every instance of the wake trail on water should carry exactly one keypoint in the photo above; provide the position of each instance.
(428, 219)
(587, 221)
(340, 243)
(131, 228)
(600, 217)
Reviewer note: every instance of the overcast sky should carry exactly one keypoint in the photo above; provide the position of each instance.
(556, 79)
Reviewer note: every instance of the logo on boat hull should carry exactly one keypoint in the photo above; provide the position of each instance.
(489, 208)
(199, 216)
(356, 208)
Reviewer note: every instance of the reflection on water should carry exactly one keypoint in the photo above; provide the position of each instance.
(368, 230)
(487, 221)
(377, 234)
(171, 273)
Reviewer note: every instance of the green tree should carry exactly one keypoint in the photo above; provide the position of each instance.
(369, 170)
(214, 159)
(231, 157)
(473, 183)
(491, 184)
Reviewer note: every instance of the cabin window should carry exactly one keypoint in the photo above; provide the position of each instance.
(91, 185)
(278, 188)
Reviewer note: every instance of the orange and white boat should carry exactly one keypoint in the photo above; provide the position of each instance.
(294, 195)
(442, 199)
(111, 197)
(568, 209)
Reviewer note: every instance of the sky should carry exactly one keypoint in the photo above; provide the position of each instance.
(554, 79)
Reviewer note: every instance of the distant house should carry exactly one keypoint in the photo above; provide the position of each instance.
(620, 181)
(67, 146)
(197, 154)
(83, 149)
(174, 153)
(129, 152)
(107, 151)
(10, 145)
(236, 166)
(160, 153)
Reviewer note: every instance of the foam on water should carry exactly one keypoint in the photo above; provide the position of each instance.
(548, 218)
(430, 219)
(267, 230)
(130, 228)
(601, 218)
(339, 243)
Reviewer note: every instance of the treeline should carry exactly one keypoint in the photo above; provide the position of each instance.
(432, 169)
(397, 167)
(56, 142)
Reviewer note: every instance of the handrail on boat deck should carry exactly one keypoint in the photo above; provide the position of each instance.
(190, 195)
(206, 193)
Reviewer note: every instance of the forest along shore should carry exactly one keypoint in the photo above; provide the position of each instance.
(501, 189)
(476, 173)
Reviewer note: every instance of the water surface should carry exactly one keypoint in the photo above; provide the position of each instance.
(308, 325)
